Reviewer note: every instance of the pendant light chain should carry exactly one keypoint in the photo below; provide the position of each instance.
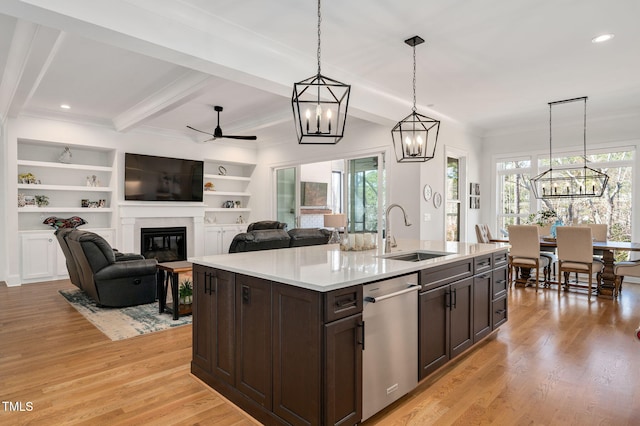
(414, 79)
(319, 20)
(550, 134)
(585, 133)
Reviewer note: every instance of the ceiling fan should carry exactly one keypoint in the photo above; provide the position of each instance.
(217, 133)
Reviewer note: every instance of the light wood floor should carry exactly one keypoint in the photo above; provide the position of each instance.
(558, 360)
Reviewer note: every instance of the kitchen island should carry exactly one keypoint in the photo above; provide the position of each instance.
(281, 334)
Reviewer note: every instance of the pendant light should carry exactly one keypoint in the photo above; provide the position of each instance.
(416, 136)
(320, 106)
(569, 182)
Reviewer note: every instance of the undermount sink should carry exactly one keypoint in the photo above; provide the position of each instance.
(416, 256)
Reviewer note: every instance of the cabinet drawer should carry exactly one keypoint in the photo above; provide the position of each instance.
(342, 303)
(500, 282)
(499, 308)
(482, 264)
(500, 259)
(440, 275)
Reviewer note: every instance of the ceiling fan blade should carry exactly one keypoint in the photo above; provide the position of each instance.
(247, 138)
(201, 131)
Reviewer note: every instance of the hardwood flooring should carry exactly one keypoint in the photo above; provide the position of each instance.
(558, 360)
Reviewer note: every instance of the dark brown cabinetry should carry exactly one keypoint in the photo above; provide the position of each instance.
(284, 354)
(499, 290)
(482, 296)
(458, 307)
(214, 301)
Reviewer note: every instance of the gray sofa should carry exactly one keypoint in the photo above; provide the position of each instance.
(267, 235)
(109, 277)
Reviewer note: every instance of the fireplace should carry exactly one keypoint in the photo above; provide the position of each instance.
(164, 244)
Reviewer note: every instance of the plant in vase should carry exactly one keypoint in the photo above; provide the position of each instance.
(185, 292)
(544, 218)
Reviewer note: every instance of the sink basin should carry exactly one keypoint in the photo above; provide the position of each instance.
(416, 256)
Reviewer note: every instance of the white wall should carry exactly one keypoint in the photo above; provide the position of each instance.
(4, 243)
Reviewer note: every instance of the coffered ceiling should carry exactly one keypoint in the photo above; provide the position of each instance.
(491, 65)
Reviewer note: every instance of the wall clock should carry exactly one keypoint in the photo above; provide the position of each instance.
(426, 192)
(437, 200)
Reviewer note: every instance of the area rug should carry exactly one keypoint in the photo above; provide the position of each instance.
(123, 323)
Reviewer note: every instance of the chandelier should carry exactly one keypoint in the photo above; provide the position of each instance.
(415, 137)
(569, 182)
(320, 106)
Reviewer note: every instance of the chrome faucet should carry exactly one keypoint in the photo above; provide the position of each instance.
(388, 244)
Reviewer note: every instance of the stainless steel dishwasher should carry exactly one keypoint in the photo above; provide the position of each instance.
(390, 355)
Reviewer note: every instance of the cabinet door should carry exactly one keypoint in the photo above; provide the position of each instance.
(499, 283)
(202, 318)
(253, 338)
(344, 341)
(433, 330)
(223, 325)
(212, 245)
(482, 296)
(226, 237)
(38, 255)
(297, 349)
(461, 316)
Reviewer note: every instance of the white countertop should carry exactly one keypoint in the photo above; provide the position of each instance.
(325, 268)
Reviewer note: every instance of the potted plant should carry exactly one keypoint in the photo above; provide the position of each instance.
(185, 293)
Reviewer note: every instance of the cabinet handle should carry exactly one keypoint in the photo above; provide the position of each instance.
(346, 303)
(447, 299)
(501, 311)
(485, 276)
(206, 281)
(361, 341)
(246, 295)
(501, 281)
(455, 297)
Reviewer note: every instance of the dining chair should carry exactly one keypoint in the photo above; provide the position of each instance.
(624, 269)
(575, 254)
(525, 251)
(550, 252)
(483, 233)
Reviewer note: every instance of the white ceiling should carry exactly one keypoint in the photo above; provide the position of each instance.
(492, 65)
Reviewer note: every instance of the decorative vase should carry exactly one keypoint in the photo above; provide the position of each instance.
(66, 155)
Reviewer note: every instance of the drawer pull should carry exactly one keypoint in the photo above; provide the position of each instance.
(341, 304)
(501, 311)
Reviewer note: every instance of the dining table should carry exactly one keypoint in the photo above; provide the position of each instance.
(606, 287)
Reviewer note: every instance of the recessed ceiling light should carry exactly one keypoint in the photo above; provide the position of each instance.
(602, 38)
(65, 106)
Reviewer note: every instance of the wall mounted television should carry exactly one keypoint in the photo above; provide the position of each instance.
(151, 178)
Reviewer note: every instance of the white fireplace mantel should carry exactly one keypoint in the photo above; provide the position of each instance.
(136, 215)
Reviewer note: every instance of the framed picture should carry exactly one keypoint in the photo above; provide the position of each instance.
(474, 202)
(474, 189)
(29, 201)
(314, 194)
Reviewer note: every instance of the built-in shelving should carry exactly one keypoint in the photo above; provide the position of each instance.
(88, 177)
(229, 187)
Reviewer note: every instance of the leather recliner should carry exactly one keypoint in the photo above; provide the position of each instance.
(110, 282)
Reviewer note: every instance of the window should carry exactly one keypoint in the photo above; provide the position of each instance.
(613, 208)
(514, 189)
(453, 200)
(363, 194)
(515, 201)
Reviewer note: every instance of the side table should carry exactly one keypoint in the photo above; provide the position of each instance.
(170, 272)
